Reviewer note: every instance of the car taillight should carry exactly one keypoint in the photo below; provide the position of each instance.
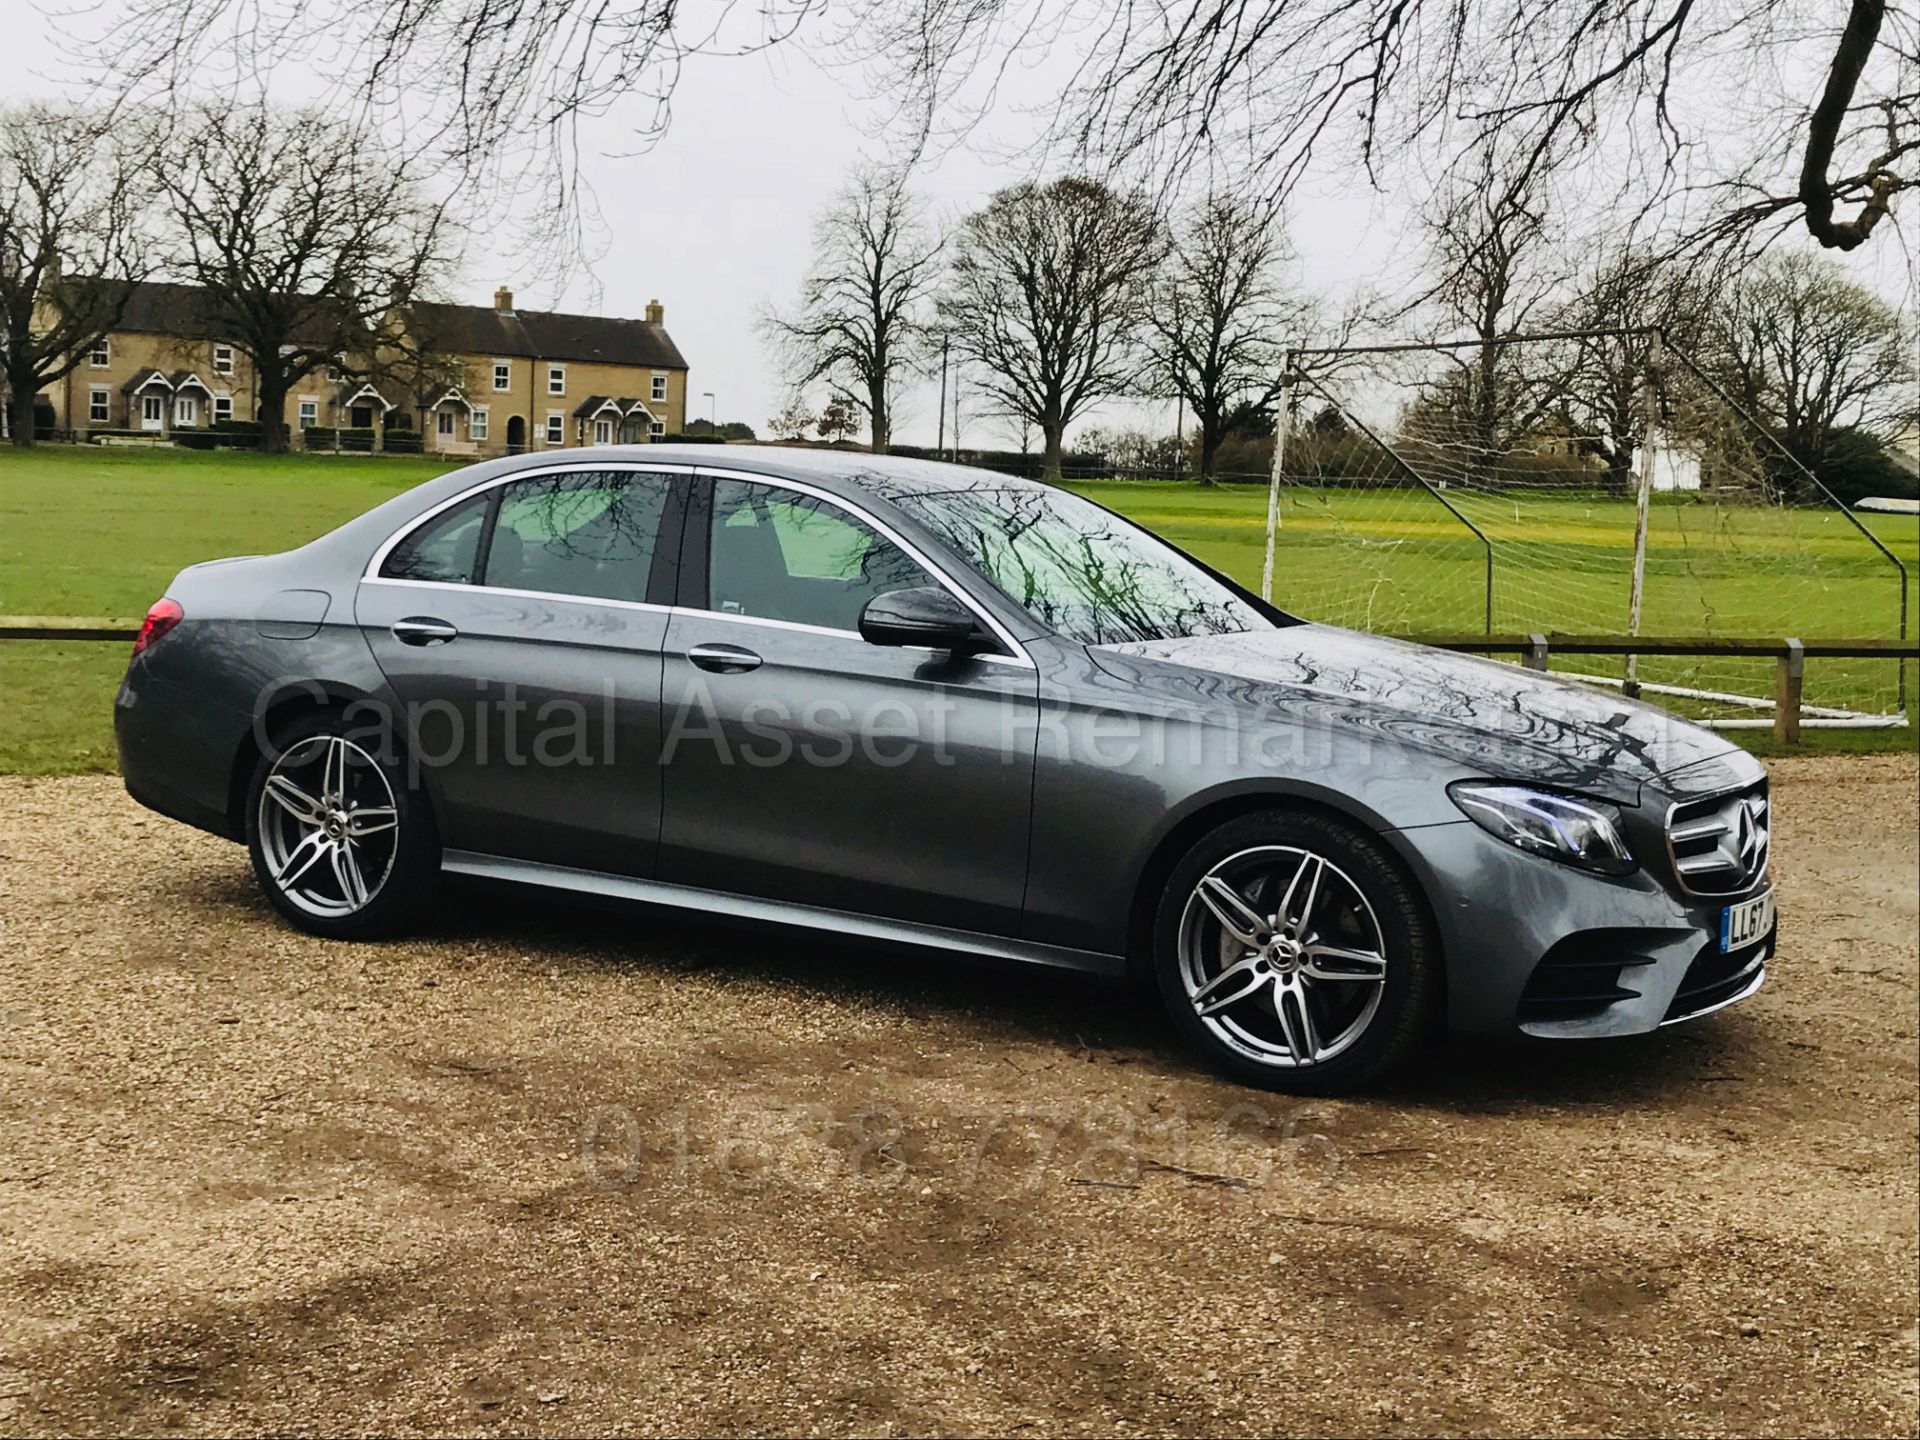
(164, 615)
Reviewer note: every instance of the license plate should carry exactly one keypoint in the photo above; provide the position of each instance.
(1742, 924)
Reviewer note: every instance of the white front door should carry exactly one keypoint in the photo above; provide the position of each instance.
(153, 412)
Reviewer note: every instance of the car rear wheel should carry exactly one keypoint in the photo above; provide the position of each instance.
(341, 845)
(1294, 952)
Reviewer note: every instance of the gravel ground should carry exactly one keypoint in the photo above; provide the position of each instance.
(543, 1171)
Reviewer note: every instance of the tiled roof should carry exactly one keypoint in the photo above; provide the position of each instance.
(545, 335)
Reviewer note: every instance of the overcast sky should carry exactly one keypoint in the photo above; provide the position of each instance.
(714, 220)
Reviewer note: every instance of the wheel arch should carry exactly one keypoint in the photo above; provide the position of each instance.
(295, 700)
(1184, 827)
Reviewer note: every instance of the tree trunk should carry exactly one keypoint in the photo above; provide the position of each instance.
(273, 415)
(1053, 432)
(1210, 438)
(880, 423)
(22, 408)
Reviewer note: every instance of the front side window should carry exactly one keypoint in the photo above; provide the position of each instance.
(477, 423)
(445, 549)
(223, 407)
(657, 429)
(556, 428)
(1081, 571)
(556, 379)
(309, 414)
(781, 555)
(101, 355)
(223, 359)
(587, 533)
(502, 375)
(97, 402)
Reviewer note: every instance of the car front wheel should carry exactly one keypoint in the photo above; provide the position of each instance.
(1293, 951)
(341, 845)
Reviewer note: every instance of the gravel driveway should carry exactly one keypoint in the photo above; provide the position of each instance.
(548, 1171)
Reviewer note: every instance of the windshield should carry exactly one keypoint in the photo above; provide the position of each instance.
(1081, 571)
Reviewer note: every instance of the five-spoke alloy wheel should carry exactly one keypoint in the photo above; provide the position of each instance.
(339, 844)
(1295, 951)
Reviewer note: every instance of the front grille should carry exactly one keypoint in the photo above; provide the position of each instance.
(1719, 845)
(1713, 979)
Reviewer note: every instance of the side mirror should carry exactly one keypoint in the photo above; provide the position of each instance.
(924, 615)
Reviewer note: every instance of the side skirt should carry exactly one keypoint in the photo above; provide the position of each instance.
(780, 912)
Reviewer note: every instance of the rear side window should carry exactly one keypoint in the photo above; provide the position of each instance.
(588, 533)
(444, 549)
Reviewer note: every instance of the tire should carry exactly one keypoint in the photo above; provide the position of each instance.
(323, 799)
(1353, 981)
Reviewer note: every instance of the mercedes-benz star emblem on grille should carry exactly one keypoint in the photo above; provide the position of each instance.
(1747, 835)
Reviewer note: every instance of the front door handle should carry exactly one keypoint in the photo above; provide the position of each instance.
(724, 659)
(423, 630)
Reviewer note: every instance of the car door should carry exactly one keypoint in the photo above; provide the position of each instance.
(803, 764)
(521, 629)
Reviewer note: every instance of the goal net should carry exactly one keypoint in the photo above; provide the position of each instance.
(1469, 489)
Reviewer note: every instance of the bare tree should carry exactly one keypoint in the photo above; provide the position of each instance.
(1812, 354)
(1625, 297)
(1048, 290)
(861, 322)
(1822, 110)
(72, 199)
(1220, 319)
(310, 236)
(1494, 273)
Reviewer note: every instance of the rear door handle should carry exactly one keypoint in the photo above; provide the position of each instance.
(423, 630)
(724, 659)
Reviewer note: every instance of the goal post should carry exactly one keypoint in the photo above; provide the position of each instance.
(1575, 482)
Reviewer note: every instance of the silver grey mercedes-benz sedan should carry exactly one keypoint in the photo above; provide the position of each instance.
(918, 703)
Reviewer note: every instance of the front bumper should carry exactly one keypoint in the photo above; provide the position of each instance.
(1550, 950)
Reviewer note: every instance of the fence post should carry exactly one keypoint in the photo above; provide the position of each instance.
(1643, 493)
(1536, 652)
(1789, 676)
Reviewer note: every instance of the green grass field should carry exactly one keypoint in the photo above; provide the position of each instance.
(99, 532)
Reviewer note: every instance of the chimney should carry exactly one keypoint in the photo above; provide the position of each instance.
(656, 313)
(503, 300)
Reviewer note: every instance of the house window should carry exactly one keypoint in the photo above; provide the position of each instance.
(477, 423)
(443, 423)
(659, 386)
(309, 414)
(222, 408)
(223, 359)
(502, 375)
(336, 372)
(97, 401)
(186, 410)
(657, 429)
(556, 379)
(101, 355)
(556, 428)
(603, 432)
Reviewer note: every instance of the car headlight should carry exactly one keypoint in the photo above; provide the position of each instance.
(1579, 832)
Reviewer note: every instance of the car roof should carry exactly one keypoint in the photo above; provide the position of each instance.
(849, 471)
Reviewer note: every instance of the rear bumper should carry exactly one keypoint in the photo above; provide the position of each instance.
(176, 752)
(1548, 950)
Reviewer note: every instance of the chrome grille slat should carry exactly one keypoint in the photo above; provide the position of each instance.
(1719, 844)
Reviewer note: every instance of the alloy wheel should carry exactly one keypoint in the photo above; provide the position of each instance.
(1282, 956)
(329, 827)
